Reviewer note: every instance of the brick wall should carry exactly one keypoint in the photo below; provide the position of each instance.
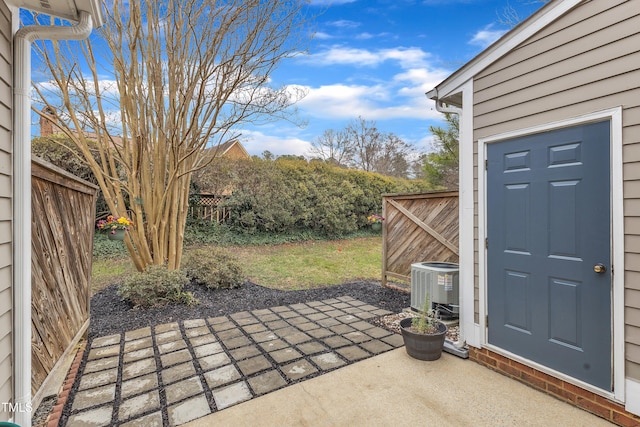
(558, 388)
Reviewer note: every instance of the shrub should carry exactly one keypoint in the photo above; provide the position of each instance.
(156, 286)
(293, 195)
(60, 151)
(105, 248)
(214, 268)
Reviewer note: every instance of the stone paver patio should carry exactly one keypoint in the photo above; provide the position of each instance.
(177, 372)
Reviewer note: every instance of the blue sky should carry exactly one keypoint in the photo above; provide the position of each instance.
(376, 59)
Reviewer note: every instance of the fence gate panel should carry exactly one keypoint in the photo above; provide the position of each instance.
(418, 227)
(63, 223)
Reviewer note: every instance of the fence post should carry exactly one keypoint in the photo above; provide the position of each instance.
(385, 222)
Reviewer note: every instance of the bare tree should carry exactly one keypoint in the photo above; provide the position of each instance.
(367, 142)
(392, 157)
(510, 17)
(334, 147)
(362, 146)
(186, 75)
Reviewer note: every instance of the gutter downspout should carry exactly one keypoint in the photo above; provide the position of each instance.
(441, 108)
(22, 199)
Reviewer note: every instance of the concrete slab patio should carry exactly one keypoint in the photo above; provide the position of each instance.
(393, 389)
(318, 364)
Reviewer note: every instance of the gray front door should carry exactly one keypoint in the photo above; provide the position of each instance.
(548, 220)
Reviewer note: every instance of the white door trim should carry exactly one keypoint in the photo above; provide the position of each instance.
(617, 243)
(469, 331)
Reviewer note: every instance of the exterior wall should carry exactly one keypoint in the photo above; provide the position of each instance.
(586, 61)
(6, 251)
(236, 152)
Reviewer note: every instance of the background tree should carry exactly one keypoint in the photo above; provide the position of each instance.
(58, 150)
(441, 166)
(367, 142)
(360, 145)
(416, 168)
(510, 16)
(186, 75)
(333, 146)
(392, 157)
(268, 155)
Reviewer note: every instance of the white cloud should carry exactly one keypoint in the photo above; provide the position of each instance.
(256, 142)
(322, 36)
(406, 57)
(390, 96)
(340, 100)
(376, 102)
(426, 144)
(420, 79)
(486, 36)
(108, 87)
(343, 23)
(364, 36)
(330, 2)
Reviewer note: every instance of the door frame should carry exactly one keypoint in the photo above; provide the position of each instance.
(614, 115)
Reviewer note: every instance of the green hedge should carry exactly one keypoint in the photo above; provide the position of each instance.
(286, 196)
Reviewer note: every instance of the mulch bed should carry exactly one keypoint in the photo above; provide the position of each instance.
(110, 314)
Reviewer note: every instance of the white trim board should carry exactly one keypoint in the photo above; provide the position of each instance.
(617, 236)
(633, 396)
(468, 328)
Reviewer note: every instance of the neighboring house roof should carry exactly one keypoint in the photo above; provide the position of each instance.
(232, 149)
(449, 89)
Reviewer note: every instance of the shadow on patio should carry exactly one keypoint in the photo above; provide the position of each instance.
(394, 389)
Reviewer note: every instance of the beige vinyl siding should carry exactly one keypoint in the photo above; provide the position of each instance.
(6, 252)
(585, 61)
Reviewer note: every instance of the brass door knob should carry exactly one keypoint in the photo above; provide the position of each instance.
(599, 268)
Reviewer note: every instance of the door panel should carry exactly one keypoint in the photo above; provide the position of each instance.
(548, 224)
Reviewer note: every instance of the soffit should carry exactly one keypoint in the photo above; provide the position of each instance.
(66, 9)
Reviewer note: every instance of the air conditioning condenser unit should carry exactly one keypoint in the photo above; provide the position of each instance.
(441, 281)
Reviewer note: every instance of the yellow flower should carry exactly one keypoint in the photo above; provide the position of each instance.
(113, 223)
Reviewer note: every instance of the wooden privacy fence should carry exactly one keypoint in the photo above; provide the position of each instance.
(63, 212)
(417, 228)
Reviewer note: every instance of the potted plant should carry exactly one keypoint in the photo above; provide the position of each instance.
(376, 221)
(116, 227)
(424, 335)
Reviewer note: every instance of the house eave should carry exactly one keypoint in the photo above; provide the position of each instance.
(65, 9)
(453, 100)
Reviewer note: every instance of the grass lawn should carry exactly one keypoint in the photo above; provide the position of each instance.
(290, 266)
(107, 271)
(306, 265)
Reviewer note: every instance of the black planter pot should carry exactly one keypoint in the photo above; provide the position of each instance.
(423, 346)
